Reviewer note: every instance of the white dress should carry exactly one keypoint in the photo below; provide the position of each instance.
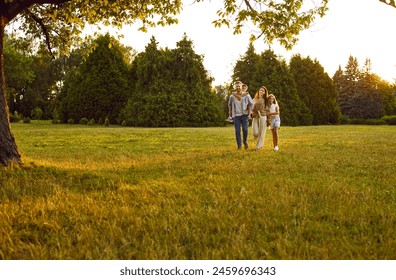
(259, 124)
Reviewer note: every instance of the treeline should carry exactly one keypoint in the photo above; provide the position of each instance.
(307, 95)
(155, 88)
(104, 80)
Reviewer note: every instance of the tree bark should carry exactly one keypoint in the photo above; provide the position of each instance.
(8, 149)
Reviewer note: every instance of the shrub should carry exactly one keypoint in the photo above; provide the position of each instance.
(356, 121)
(367, 121)
(100, 121)
(389, 119)
(392, 120)
(107, 122)
(70, 121)
(83, 121)
(124, 123)
(26, 120)
(16, 117)
(375, 122)
(345, 119)
(36, 113)
(91, 122)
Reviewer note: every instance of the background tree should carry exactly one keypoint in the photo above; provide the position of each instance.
(171, 88)
(199, 100)
(99, 88)
(44, 87)
(316, 89)
(347, 85)
(274, 74)
(19, 73)
(151, 94)
(245, 67)
(223, 92)
(363, 94)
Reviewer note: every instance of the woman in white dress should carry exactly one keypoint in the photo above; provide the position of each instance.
(259, 115)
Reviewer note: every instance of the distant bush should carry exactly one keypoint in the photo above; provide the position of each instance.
(367, 121)
(70, 121)
(124, 123)
(391, 120)
(375, 122)
(36, 114)
(100, 121)
(26, 120)
(91, 122)
(16, 117)
(345, 119)
(83, 121)
(357, 121)
(107, 122)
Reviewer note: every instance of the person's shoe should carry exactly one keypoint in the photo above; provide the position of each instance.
(246, 145)
(276, 148)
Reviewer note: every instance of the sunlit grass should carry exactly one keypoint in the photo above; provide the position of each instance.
(90, 192)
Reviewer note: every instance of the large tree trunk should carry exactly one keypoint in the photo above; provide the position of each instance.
(8, 148)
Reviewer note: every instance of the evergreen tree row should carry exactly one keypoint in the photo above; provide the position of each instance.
(306, 94)
(171, 88)
(362, 94)
(162, 88)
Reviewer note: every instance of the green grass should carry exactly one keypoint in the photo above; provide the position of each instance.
(90, 192)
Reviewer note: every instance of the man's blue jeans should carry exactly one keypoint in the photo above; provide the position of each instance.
(238, 122)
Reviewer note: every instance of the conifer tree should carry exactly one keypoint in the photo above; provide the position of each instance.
(149, 84)
(99, 88)
(171, 88)
(316, 89)
(275, 75)
(245, 67)
(201, 103)
(362, 94)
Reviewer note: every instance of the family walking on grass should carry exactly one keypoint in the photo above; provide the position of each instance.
(263, 109)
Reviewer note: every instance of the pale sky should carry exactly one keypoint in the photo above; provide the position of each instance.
(361, 28)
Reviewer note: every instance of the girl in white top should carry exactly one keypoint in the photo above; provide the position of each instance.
(275, 120)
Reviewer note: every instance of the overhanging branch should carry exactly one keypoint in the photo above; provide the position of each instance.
(389, 2)
(14, 8)
(44, 28)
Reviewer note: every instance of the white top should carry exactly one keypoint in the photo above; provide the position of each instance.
(273, 108)
(238, 107)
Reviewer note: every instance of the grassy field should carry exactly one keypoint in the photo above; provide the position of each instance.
(90, 192)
